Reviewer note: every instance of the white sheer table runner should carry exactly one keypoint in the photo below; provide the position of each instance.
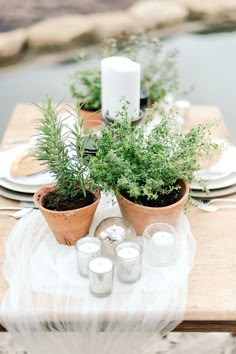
(48, 307)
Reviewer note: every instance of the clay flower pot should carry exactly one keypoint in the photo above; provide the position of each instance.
(70, 225)
(141, 216)
(91, 115)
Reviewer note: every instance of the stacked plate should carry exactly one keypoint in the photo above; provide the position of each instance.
(19, 188)
(220, 178)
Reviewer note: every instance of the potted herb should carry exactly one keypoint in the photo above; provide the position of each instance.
(85, 87)
(149, 172)
(70, 204)
(159, 74)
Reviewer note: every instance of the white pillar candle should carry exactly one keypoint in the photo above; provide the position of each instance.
(105, 83)
(120, 78)
(87, 248)
(129, 262)
(101, 271)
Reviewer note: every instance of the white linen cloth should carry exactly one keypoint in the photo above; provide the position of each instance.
(48, 307)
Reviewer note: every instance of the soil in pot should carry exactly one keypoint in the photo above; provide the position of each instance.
(53, 201)
(161, 201)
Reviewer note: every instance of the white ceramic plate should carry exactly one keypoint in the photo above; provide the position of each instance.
(211, 176)
(6, 159)
(224, 182)
(215, 193)
(34, 181)
(13, 195)
(17, 187)
(225, 166)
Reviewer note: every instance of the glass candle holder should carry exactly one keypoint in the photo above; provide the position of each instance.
(101, 272)
(112, 231)
(87, 248)
(160, 244)
(182, 107)
(129, 261)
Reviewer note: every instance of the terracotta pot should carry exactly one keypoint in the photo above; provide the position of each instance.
(93, 115)
(141, 216)
(70, 225)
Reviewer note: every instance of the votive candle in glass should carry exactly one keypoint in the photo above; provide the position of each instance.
(101, 272)
(112, 231)
(87, 248)
(128, 261)
(160, 244)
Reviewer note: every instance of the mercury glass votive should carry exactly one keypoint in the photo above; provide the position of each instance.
(87, 248)
(160, 244)
(101, 272)
(112, 231)
(129, 261)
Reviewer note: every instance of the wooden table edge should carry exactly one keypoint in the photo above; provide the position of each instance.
(194, 326)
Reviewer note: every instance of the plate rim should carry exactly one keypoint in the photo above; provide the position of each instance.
(231, 181)
(214, 193)
(17, 188)
(13, 180)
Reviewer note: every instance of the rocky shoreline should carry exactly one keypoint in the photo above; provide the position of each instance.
(64, 32)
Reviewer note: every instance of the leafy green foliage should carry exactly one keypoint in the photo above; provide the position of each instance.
(63, 150)
(85, 87)
(145, 164)
(159, 74)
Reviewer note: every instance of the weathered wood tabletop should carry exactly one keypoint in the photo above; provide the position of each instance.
(211, 302)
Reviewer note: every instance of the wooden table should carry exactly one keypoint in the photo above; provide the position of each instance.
(211, 302)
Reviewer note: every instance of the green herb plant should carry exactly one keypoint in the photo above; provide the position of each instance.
(145, 164)
(159, 74)
(63, 154)
(85, 87)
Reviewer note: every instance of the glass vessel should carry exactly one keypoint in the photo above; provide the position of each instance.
(112, 231)
(101, 272)
(87, 248)
(160, 244)
(128, 261)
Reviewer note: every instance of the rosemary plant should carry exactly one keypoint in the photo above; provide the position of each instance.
(63, 154)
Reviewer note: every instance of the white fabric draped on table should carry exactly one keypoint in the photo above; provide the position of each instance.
(48, 307)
